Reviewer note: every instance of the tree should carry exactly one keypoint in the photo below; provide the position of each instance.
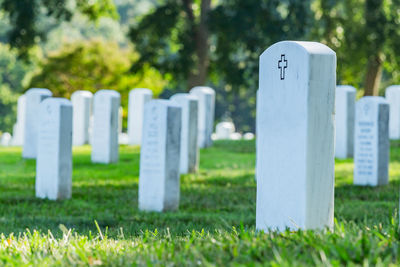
(23, 15)
(92, 66)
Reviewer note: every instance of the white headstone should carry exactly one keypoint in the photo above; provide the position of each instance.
(223, 130)
(18, 129)
(248, 136)
(33, 98)
(159, 167)
(54, 154)
(120, 119)
(5, 139)
(345, 106)
(82, 106)
(105, 126)
(189, 149)
(371, 158)
(206, 96)
(137, 99)
(392, 95)
(123, 139)
(295, 136)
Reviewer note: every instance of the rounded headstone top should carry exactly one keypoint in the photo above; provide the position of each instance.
(186, 96)
(308, 47)
(373, 99)
(347, 88)
(82, 93)
(108, 92)
(144, 91)
(202, 89)
(163, 102)
(41, 91)
(58, 101)
(393, 88)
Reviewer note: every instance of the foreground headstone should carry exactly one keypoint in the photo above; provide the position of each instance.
(295, 137)
(137, 100)
(189, 148)
(223, 130)
(82, 110)
(206, 96)
(34, 97)
(19, 126)
(105, 126)
(371, 159)
(159, 167)
(54, 158)
(392, 95)
(345, 106)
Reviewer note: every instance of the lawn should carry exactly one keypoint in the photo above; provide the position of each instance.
(215, 224)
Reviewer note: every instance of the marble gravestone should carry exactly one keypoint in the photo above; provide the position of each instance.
(5, 139)
(189, 149)
(82, 111)
(34, 97)
(159, 167)
(54, 154)
(371, 158)
(392, 95)
(206, 96)
(224, 130)
(295, 137)
(345, 106)
(137, 99)
(18, 129)
(105, 126)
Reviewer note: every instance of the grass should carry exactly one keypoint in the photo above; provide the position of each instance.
(215, 225)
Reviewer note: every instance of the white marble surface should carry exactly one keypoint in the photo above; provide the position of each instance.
(189, 154)
(223, 130)
(159, 157)
(295, 137)
(33, 98)
(105, 127)
(345, 106)
(82, 111)
(371, 159)
(19, 126)
(54, 158)
(137, 99)
(206, 96)
(392, 95)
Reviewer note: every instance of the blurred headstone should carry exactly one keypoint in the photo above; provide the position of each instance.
(6, 139)
(345, 106)
(137, 99)
(392, 95)
(189, 148)
(371, 158)
(248, 136)
(223, 130)
(159, 157)
(54, 157)
(206, 96)
(105, 127)
(34, 97)
(18, 129)
(82, 111)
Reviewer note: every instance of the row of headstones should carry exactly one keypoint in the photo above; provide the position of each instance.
(362, 130)
(49, 130)
(296, 135)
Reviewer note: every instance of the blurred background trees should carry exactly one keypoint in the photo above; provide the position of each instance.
(171, 45)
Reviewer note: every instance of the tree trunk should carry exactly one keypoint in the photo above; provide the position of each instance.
(373, 76)
(198, 76)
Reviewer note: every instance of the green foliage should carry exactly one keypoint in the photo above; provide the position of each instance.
(24, 17)
(91, 66)
(12, 76)
(215, 224)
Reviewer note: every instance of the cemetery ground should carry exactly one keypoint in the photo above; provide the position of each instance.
(215, 224)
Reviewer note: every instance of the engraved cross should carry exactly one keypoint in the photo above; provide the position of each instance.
(282, 65)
